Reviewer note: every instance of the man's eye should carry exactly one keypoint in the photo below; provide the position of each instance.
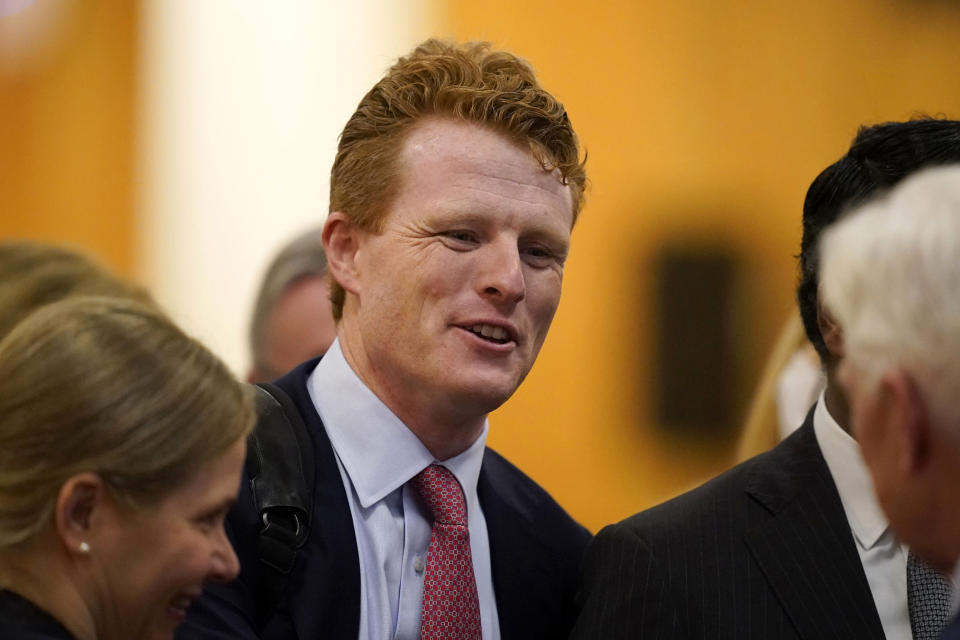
(460, 237)
(538, 256)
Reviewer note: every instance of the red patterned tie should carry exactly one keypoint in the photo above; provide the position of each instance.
(451, 609)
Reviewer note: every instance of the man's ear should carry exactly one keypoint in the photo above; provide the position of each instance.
(910, 420)
(78, 504)
(342, 241)
(830, 330)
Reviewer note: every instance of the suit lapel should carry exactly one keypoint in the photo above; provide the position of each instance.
(805, 548)
(506, 526)
(525, 556)
(325, 603)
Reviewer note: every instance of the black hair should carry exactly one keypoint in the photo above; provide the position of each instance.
(881, 155)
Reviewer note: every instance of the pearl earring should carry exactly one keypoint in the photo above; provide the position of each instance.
(84, 547)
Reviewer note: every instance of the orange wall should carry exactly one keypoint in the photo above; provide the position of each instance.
(66, 157)
(704, 121)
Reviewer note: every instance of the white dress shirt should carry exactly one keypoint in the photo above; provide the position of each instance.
(884, 558)
(377, 454)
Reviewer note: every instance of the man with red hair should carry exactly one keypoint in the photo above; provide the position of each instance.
(453, 195)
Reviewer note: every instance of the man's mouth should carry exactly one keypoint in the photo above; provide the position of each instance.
(490, 333)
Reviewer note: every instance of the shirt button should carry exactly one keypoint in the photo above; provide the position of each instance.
(418, 564)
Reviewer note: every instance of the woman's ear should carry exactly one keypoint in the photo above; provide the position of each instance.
(79, 502)
(341, 242)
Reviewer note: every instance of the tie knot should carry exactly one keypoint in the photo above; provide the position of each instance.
(441, 492)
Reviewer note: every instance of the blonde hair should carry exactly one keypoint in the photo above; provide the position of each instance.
(109, 386)
(470, 82)
(33, 274)
(761, 431)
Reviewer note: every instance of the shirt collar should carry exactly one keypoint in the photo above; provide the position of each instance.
(380, 454)
(843, 457)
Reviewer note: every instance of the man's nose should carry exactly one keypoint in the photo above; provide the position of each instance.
(501, 273)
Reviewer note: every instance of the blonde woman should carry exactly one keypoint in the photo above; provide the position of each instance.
(121, 449)
(33, 274)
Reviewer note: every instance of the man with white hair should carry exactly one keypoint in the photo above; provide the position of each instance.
(891, 277)
(790, 544)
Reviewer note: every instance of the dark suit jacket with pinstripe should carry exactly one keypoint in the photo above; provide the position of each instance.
(763, 551)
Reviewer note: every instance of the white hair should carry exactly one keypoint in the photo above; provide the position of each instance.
(891, 278)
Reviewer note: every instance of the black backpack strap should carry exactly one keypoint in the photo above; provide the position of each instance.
(280, 469)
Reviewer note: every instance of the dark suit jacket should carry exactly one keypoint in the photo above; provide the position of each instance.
(952, 632)
(20, 619)
(535, 550)
(763, 551)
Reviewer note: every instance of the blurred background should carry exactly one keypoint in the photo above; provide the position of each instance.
(182, 142)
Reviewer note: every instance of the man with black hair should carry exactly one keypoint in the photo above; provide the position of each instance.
(791, 543)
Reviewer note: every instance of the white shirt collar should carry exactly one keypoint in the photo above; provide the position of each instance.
(378, 451)
(850, 474)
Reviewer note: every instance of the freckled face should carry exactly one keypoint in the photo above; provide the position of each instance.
(458, 291)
